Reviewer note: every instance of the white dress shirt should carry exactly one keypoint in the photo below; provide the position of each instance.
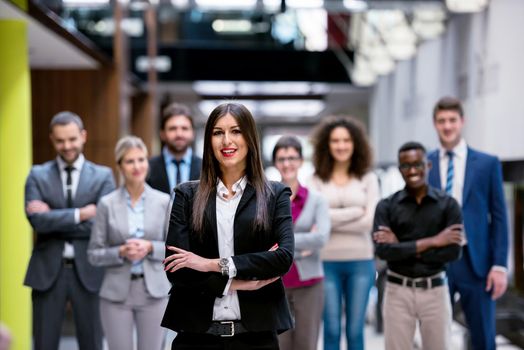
(69, 250)
(460, 153)
(227, 307)
(184, 167)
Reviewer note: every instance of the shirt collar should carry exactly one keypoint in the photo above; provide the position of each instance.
(459, 150)
(432, 193)
(238, 187)
(128, 196)
(168, 156)
(77, 164)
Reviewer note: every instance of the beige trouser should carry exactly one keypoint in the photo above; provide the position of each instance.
(306, 304)
(139, 311)
(405, 306)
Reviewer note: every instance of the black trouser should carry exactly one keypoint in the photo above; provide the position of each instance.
(244, 341)
(49, 310)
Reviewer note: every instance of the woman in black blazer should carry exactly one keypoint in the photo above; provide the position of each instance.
(230, 239)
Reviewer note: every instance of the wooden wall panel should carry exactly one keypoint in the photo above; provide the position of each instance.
(93, 94)
(142, 124)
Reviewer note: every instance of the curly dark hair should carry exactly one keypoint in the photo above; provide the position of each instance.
(324, 162)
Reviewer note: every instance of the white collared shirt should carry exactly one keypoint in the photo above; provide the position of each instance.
(227, 307)
(69, 250)
(184, 167)
(460, 153)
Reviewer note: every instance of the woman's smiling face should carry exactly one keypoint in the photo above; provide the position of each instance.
(229, 146)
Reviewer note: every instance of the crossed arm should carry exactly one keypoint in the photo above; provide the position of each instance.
(440, 248)
(45, 219)
(254, 270)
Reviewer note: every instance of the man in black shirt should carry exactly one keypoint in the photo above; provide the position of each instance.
(417, 230)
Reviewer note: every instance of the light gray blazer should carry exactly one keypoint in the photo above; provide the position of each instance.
(315, 213)
(110, 230)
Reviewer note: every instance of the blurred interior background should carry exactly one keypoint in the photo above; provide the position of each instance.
(291, 62)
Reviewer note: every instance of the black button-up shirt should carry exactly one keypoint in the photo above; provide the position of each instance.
(411, 221)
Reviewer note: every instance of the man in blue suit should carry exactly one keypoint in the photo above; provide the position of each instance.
(474, 179)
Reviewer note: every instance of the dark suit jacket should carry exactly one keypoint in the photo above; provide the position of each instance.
(193, 293)
(483, 208)
(157, 177)
(58, 225)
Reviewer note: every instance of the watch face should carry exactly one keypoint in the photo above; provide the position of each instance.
(224, 262)
(224, 266)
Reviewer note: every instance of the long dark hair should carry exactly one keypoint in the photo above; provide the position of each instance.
(211, 169)
(323, 160)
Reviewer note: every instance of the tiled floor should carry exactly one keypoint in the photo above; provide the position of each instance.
(373, 340)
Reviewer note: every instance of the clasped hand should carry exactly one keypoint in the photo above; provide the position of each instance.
(135, 249)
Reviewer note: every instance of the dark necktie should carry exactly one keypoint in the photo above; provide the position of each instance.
(69, 186)
(450, 173)
(178, 175)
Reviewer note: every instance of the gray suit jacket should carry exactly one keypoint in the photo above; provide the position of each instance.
(315, 213)
(111, 230)
(53, 228)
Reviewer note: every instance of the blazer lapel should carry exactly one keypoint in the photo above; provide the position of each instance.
(194, 172)
(211, 214)
(83, 190)
(247, 196)
(249, 192)
(163, 174)
(120, 207)
(149, 214)
(57, 188)
(471, 163)
(434, 174)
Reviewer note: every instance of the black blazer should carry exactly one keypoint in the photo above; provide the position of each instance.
(157, 177)
(193, 293)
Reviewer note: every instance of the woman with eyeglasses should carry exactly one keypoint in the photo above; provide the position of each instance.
(230, 239)
(304, 281)
(342, 159)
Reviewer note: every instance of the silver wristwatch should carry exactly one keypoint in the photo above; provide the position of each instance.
(223, 263)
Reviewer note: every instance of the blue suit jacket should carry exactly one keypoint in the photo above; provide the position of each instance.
(483, 208)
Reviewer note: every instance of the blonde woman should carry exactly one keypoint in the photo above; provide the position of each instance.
(128, 240)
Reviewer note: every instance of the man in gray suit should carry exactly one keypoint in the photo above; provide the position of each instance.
(61, 197)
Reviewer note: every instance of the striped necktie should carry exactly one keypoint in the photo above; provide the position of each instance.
(450, 173)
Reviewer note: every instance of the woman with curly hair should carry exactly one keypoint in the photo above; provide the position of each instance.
(342, 159)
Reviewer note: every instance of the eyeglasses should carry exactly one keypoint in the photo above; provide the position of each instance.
(416, 166)
(282, 160)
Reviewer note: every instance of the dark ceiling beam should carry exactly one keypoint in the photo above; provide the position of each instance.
(262, 97)
(53, 22)
(191, 64)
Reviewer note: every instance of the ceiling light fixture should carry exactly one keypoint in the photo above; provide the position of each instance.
(466, 6)
(355, 5)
